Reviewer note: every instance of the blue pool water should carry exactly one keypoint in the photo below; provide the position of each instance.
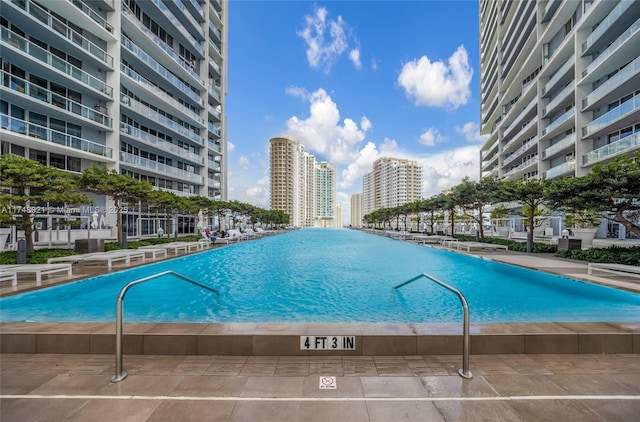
(327, 275)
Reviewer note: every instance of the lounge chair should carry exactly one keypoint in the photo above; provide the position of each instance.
(38, 269)
(108, 257)
(9, 276)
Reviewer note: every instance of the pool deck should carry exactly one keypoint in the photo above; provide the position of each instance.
(256, 372)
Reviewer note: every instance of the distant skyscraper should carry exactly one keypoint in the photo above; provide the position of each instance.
(391, 183)
(559, 85)
(356, 210)
(300, 186)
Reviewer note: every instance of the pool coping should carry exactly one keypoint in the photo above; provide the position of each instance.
(284, 339)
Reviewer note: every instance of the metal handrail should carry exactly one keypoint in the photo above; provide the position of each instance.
(464, 372)
(120, 374)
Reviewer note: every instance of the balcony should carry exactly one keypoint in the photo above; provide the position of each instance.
(45, 134)
(214, 147)
(160, 144)
(617, 45)
(523, 166)
(559, 121)
(606, 119)
(565, 143)
(160, 119)
(562, 169)
(616, 148)
(173, 191)
(214, 66)
(213, 183)
(525, 110)
(41, 55)
(213, 165)
(182, 8)
(86, 10)
(186, 35)
(161, 95)
(159, 168)
(174, 59)
(213, 129)
(527, 145)
(560, 99)
(160, 70)
(44, 17)
(604, 26)
(630, 71)
(559, 74)
(34, 91)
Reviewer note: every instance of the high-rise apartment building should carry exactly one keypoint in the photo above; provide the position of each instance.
(324, 195)
(300, 186)
(356, 210)
(560, 85)
(391, 183)
(136, 85)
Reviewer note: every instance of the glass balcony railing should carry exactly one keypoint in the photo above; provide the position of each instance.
(213, 129)
(197, 6)
(560, 120)
(215, 30)
(531, 161)
(214, 65)
(618, 147)
(214, 183)
(157, 167)
(563, 168)
(559, 146)
(178, 25)
(39, 93)
(559, 98)
(173, 191)
(160, 93)
(159, 143)
(159, 69)
(215, 147)
(53, 136)
(520, 150)
(92, 14)
(214, 93)
(190, 18)
(606, 24)
(558, 74)
(619, 78)
(212, 165)
(42, 55)
(215, 47)
(63, 29)
(612, 48)
(164, 47)
(610, 117)
(163, 120)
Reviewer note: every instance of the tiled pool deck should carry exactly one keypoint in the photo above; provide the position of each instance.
(256, 372)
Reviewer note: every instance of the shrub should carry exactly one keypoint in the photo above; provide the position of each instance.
(39, 256)
(513, 245)
(612, 254)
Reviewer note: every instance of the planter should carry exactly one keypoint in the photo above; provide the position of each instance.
(586, 235)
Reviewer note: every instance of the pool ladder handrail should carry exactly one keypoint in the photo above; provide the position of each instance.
(464, 372)
(120, 374)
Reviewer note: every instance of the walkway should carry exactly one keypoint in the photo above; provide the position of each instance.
(395, 387)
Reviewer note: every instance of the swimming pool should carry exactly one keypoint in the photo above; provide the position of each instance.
(327, 275)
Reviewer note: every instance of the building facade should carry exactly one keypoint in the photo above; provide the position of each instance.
(560, 85)
(391, 183)
(356, 210)
(135, 85)
(300, 186)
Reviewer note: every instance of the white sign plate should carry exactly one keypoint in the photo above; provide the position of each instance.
(327, 342)
(328, 383)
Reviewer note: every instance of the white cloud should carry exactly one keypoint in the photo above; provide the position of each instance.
(364, 161)
(325, 52)
(445, 169)
(322, 132)
(243, 162)
(374, 64)
(438, 84)
(230, 147)
(297, 91)
(471, 132)
(431, 136)
(354, 56)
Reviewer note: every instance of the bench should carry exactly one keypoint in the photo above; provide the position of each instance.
(6, 276)
(38, 269)
(617, 269)
(479, 245)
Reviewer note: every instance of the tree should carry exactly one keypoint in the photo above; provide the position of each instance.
(33, 185)
(613, 188)
(122, 189)
(531, 193)
(474, 197)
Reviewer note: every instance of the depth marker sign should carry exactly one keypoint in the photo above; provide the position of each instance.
(327, 342)
(328, 383)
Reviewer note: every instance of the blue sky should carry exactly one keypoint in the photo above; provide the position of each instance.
(353, 81)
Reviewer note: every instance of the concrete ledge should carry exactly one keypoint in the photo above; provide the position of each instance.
(280, 340)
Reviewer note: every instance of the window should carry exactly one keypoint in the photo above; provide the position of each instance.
(73, 164)
(57, 161)
(39, 156)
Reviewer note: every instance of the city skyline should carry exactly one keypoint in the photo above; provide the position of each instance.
(353, 82)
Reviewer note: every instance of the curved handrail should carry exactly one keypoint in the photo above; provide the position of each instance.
(464, 372)
(120, 374)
